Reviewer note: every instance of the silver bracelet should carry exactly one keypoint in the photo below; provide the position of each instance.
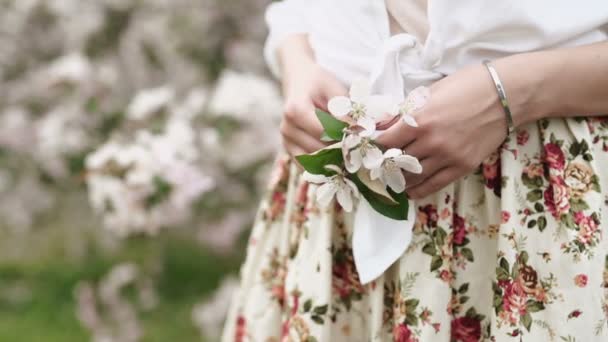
(500, 89)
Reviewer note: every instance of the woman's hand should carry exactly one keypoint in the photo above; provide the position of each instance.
(461, 125)
(306, 86)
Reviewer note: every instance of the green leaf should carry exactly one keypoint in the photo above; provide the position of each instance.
(396, 211)
(317, 319)
(411, 304)
(539, 207)
(307, 305)
(436, 262)
(504, 264)
(320, 310)
(578, 204)
(463, 288)
(542, 223)
(534, 195)
(501, 274)
(326, 138)
(526, 320)
(532, 223)
(468, 254)
(429, 249)
(534, 306)
(315, 163)
(411, 319)
(523, 257)
(334, 128)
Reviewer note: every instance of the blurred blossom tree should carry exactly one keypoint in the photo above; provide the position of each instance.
(148, 109)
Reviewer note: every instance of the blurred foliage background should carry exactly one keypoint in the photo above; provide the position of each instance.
(127, 174)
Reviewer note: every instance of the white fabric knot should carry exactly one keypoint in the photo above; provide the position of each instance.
(379, 241)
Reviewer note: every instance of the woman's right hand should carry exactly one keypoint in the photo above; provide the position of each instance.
(306, 86)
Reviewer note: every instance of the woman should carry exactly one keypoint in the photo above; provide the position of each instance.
(509, 241)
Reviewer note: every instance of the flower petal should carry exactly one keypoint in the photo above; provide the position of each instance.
(325, 193)
(353, 160)
(395, 180)
(316, 179)
(334, 168)
(408, 163)
(340, 106)
(351, 141)
(419, 97)
(373, 157)
(353, 187)
(375, 173)
(409, 120)
(392, 153)
(360, 90)
(368, 124)
(345, 198)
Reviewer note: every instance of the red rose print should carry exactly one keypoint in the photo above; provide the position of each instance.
(460, 231)
(556, 197)
(241, 330)
(554, 156)
(522, 137)
(401, 333)
(580, 280)
(428, 215)
(505, 216)
(466, 329)
(514, 299)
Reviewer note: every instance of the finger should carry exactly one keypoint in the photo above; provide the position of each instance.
(434, 183)
(300, 138)
(302, 115)
(420, 149)
(292, 148)
(430, 166)
(329, 91)
(398, 135)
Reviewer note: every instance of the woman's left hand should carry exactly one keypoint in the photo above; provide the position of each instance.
(460, 126)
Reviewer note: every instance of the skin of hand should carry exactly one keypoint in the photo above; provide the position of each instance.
(463, 122)
(457, 129)
(306, 86)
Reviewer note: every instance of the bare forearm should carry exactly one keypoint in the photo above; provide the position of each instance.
(557, 83)
(294, 51)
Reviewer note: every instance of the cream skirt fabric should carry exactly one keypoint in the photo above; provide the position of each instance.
(514, 252)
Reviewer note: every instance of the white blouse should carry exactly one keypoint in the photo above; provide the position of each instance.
(353, 39)
(346, 35)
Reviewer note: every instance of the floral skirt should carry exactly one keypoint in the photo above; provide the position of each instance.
(513, 252)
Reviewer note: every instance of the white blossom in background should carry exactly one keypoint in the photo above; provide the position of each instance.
(22, 198)
(256, 102)
(148, 184)
(105, 310)
(209, 315)
(149, 102)
(17, 131)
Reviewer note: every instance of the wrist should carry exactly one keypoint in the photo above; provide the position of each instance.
(294, 52)
(527, 79)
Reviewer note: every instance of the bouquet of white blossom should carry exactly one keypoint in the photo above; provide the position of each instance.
(355, 165)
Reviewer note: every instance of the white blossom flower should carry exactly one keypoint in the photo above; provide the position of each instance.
(390, 172)
(149, 102)
(359, 150)
(362, 107)
(415, 100)
(336, 185)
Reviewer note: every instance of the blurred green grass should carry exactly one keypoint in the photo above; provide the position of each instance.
(37, 302)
